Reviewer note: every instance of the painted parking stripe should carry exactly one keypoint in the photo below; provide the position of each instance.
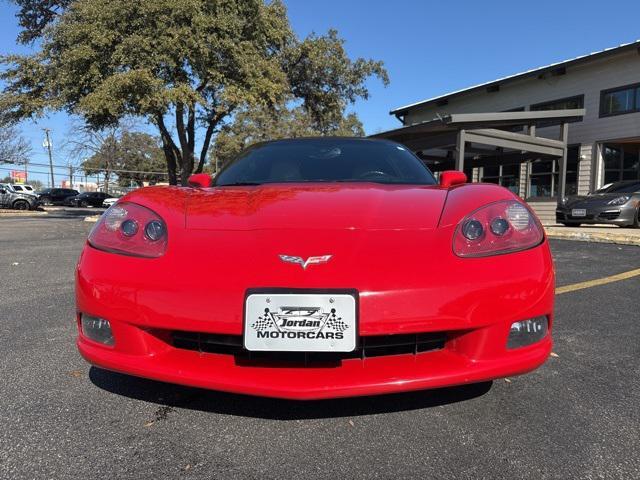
(598, 281)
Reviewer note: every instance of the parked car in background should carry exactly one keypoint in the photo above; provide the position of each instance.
(110, 201)
(56, 196)
(21, 188)
(10, 198)
(87, 199)
(616, 203)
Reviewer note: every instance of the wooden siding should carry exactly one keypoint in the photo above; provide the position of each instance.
(585, 179)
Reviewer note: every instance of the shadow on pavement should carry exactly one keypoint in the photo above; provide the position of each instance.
(170, 395)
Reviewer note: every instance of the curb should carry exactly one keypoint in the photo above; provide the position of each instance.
(19, 213)
(598, 237)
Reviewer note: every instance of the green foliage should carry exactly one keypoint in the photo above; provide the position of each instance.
(133, 156)
(321, 74)
(186, 66)
(35, 15)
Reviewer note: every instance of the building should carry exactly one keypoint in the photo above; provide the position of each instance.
(599, 95)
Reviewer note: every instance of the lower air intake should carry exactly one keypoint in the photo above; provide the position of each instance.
(368, 347)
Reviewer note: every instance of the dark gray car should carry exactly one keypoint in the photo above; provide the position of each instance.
(10, 198)
(617, 203)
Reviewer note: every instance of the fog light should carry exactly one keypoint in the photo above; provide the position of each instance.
(97, 329)
(526, 332)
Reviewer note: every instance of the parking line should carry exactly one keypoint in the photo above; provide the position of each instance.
(598, 281)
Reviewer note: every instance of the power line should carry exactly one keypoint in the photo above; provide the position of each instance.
(66, 167)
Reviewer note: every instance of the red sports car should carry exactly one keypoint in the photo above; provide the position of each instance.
(318, 268)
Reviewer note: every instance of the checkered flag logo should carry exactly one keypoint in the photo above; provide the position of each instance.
(336, 322)
(264, 321)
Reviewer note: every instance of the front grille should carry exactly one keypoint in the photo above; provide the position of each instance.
(368, 346)
(609, 215)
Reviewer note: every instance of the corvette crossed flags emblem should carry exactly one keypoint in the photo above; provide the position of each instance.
(305, 263)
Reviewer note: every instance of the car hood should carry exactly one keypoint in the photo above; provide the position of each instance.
(594, 199)
(339, 207)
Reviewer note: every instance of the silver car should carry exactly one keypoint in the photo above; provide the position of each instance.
(616, 203)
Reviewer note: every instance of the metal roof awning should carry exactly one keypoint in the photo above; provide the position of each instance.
(452, 123)
(483, 139)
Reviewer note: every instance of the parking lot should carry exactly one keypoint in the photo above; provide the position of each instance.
(576, 417)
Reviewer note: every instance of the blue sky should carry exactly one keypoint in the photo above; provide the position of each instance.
(429, 47)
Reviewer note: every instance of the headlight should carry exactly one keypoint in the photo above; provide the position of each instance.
(130, 229)
(619, 200)
(563, 201)
(501, 227)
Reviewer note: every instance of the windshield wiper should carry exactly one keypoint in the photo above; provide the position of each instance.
(238, 184)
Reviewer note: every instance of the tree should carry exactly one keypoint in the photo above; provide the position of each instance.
(35, 15)
(139, 159)
(13, 147)
(100, 145)
(186, 66)
(133, 156)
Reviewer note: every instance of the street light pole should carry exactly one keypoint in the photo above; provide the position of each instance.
(47, 143)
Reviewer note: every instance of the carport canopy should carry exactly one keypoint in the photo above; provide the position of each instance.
(483, 139)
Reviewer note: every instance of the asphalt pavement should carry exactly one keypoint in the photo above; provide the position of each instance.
(578, 416)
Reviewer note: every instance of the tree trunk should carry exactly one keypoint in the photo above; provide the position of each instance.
(186, 167)
(171, 151)
(171, 163)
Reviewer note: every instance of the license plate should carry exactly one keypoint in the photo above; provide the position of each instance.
(578, 212)
(300, 322)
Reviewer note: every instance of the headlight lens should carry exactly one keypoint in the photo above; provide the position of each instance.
(472, 229)
(130, 229)
(501, 227)
(619, 200)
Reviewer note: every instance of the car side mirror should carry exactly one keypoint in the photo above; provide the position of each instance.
(2, 190)
(449, 178)
(200, 180)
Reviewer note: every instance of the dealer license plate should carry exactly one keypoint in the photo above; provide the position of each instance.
(578, 212)
(300, 322)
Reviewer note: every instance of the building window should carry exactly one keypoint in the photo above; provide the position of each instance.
(569, 103)
(617, 101)
(544, 176)
(621, 162)
(506, 175)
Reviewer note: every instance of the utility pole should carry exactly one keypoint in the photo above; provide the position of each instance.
(70, 176)
(47, 145)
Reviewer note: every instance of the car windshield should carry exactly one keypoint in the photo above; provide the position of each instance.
(325, 160)
(620, 187)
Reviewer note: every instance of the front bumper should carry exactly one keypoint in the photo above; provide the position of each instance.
(371, 376)
(615, 215)
(145, 300)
